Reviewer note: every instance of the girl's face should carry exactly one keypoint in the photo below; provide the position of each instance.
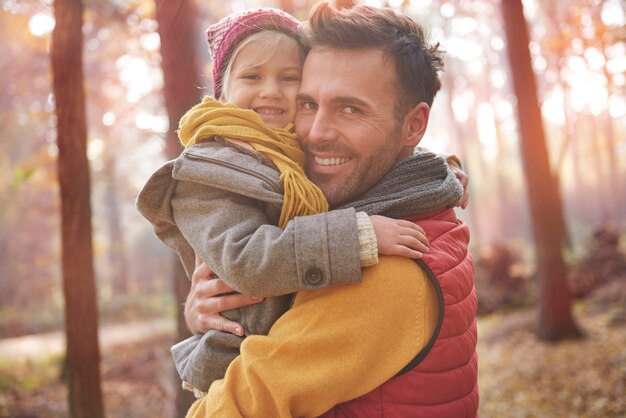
(267, 80)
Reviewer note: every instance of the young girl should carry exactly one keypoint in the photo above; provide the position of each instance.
(238, 198)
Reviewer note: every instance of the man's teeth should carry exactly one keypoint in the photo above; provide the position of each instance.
(330, 161)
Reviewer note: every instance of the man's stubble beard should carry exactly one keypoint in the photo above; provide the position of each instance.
(366, 175)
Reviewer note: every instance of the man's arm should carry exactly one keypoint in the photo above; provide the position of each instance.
(208, 297)
(332, 346)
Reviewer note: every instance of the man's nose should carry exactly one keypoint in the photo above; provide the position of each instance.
(322, 129)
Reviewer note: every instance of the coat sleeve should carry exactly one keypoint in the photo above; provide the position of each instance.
(233, 234)
(332, 346)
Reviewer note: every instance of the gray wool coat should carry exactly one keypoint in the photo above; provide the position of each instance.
(222, 203)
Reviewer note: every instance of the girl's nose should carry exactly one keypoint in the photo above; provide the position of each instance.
(270, 88)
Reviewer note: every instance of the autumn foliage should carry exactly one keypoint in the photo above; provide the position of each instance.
(141, 68)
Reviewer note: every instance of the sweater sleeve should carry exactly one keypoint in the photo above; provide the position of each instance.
(332, 346)
(233, 234)
(368, 244)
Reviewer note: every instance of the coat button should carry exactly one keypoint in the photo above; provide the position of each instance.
(314, 276)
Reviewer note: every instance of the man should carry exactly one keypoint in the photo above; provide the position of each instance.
(402, 342)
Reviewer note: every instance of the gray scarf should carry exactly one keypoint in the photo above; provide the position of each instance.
(419, 183)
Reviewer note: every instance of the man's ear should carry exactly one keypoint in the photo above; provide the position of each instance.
(415, 124)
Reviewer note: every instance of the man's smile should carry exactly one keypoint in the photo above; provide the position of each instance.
(330, 161)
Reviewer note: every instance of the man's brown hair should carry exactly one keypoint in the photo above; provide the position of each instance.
(398, 36)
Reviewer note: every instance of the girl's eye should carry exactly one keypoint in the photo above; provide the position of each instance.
(291, 78)
(250, 76)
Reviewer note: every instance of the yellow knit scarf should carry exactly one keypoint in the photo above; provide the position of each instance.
(211, 118)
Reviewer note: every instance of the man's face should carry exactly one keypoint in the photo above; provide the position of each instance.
(345, 120)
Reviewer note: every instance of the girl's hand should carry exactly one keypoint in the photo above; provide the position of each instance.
(399, 237)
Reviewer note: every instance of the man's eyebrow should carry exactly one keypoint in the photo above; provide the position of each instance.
(303, 97)
(350, 100)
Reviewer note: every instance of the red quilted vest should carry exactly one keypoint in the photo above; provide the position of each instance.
(443, 384)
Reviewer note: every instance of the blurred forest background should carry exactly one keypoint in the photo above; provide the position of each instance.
(578, 53)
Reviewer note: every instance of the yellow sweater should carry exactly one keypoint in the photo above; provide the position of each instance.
(333, 345)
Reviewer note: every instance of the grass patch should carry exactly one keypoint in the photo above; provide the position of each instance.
(29, 375)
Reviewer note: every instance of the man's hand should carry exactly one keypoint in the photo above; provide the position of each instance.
(463, 178)
(206, 300)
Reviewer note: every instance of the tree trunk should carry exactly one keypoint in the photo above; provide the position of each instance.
(180, 61)
(181, 88)
(555, 313)
(81, 314)
(601, 194)
(582, 206)
(118, 264)
(615, 182)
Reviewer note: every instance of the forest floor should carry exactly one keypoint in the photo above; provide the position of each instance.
(520, 376)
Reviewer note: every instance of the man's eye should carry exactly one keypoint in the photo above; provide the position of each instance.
(307, 105)
(351, 110)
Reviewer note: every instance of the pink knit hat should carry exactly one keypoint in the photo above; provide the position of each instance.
(226, 34)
